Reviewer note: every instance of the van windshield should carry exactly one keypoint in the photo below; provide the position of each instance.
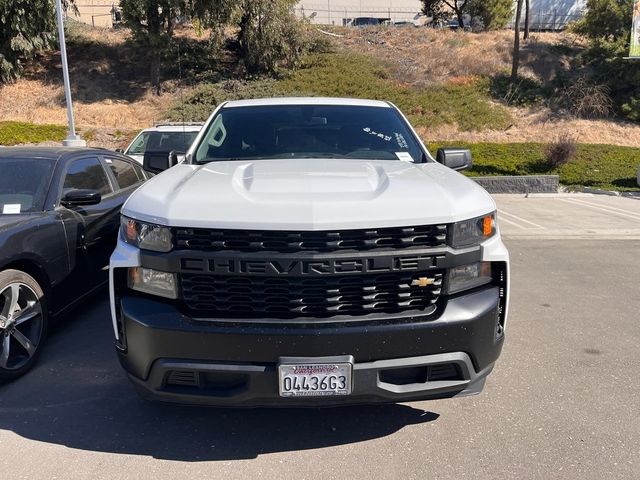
(308, 131)
(161, 141)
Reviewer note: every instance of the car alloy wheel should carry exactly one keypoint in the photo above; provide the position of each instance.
(21, 325)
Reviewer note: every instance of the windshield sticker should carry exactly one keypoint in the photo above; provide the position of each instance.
(400, 140)
(404, 156)
(11, 208)
(384, 137)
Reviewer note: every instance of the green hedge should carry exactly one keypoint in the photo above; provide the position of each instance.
(600, 166)
(15, 133)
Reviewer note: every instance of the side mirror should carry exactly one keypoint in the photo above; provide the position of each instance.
(156, 162)
(455, 158)
(81, 198)
(119, 150)
(176, 157)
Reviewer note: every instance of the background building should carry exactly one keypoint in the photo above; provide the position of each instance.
(339, 12)
(545, 14)
(96, 12)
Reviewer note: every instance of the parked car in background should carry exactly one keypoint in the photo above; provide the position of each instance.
(163, 138)
(365, 22)
(404, 23)
(59, 220)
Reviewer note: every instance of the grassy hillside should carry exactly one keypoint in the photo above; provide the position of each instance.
(450, 85)
(466, 105)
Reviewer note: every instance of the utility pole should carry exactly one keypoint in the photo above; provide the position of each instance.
(72, 139)
(516, 45)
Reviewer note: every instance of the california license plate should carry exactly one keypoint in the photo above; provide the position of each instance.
(311, 380)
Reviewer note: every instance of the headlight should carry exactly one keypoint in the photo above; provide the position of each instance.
(469, 233)
(469, 276)
(145, 235)
(154, 282)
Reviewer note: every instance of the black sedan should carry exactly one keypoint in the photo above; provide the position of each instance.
(59, 220)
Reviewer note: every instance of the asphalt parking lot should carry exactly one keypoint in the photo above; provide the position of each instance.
(561, 403)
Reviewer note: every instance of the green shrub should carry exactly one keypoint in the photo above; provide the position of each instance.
(15, 133)
(493, 14)
(607, 167)
(271, 37)
(606, 26)
(525, 92)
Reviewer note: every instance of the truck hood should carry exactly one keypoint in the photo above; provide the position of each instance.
(307, 194)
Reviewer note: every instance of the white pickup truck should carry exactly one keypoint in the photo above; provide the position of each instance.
(309, 252)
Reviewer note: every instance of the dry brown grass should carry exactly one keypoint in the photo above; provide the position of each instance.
(39, 102)
(419, 57)
(425, 56)
(540, 127)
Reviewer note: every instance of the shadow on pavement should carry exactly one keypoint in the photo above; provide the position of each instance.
(78, 397)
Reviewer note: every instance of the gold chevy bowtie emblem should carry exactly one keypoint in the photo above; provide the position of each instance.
(422, 282)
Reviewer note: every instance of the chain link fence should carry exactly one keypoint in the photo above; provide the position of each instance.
(355, 13)
(334, 12)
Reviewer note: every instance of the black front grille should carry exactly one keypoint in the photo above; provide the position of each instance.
(227, 296)
(322, 241)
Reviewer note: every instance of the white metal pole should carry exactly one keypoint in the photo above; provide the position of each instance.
(72, 139)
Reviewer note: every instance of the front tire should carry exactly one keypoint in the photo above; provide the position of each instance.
(23, 323)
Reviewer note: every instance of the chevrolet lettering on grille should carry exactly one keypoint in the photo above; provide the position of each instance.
(303, 267)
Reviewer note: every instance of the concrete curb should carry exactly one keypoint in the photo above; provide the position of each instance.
(520, 184)
(596, 191)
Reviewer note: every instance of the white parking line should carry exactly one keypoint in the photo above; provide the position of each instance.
(608, 207)
(502, 219)
(519, 219)
(626, 213)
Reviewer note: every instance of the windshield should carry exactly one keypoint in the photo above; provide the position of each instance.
(23, 184)
(308, 131)
(161, 141)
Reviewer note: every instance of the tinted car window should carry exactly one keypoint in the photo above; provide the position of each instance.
(23, 184)
(140, 173)
(87, 173)
(308, 131)
(124, 172)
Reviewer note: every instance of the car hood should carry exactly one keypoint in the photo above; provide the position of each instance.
(308, 194)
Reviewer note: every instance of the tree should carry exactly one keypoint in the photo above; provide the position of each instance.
(26, 28)
(270, 36)
(527, 19)
(152, 23)
(516, 45)
(439, 9)
(606, 22)
(494, 14)
(606, 26)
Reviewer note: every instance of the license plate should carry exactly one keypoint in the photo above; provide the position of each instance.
(311, 380)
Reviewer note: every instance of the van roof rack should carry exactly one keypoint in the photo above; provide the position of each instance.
(179, 124)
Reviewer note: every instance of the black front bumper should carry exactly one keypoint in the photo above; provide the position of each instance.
(171, 357)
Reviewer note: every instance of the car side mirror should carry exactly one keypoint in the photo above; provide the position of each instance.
(81, 198)
(174, 157)
(119, 150)
(455, 158)
(156, 162)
